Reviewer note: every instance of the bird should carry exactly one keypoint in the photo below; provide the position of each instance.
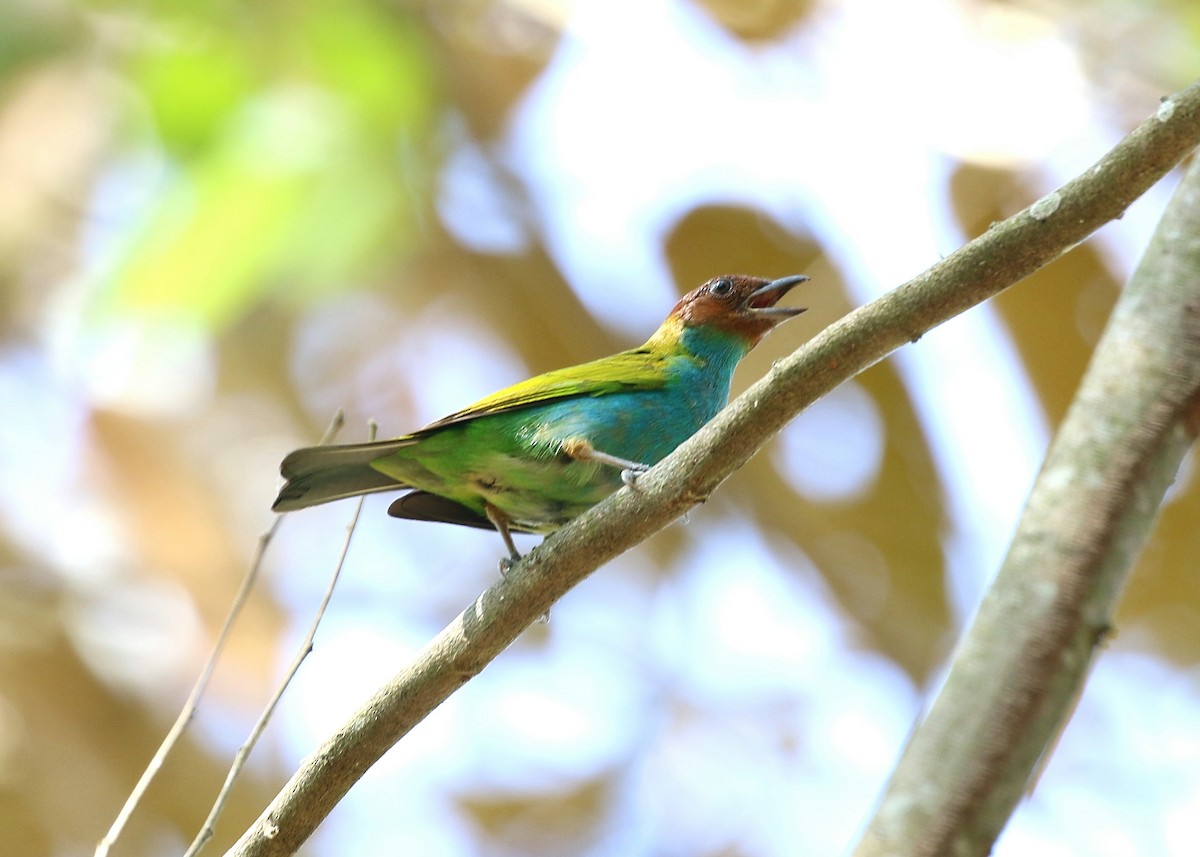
(533, 456)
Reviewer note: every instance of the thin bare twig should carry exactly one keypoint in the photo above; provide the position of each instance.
(193, 700)
(243, 753)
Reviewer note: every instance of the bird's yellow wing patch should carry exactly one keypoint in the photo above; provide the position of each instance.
(636, 369)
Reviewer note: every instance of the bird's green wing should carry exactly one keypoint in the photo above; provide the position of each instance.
(636, 369)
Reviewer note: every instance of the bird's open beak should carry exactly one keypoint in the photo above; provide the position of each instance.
(763, 300)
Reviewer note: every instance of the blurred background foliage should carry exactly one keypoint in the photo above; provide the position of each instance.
(219, 222)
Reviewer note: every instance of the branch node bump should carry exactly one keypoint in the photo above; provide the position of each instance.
(1046, 206)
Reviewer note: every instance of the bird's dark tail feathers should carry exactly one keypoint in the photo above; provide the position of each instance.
(319, 474)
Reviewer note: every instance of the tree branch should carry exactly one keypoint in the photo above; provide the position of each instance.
(1024, 660)
(1007, 252)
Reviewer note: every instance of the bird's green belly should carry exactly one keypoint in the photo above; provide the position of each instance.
(539, 496)
(533, 483)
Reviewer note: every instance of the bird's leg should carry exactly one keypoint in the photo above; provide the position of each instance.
(582, 450)
(500, 522)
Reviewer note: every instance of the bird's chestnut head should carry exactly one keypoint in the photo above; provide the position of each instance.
(739, 304)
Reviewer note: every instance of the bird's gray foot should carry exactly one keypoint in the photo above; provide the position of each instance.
(630, 475)
(500, 522)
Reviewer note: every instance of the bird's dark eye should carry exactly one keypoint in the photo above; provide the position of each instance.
(721, 287)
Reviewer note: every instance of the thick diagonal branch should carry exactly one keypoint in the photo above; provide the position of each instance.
(1009, 251)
